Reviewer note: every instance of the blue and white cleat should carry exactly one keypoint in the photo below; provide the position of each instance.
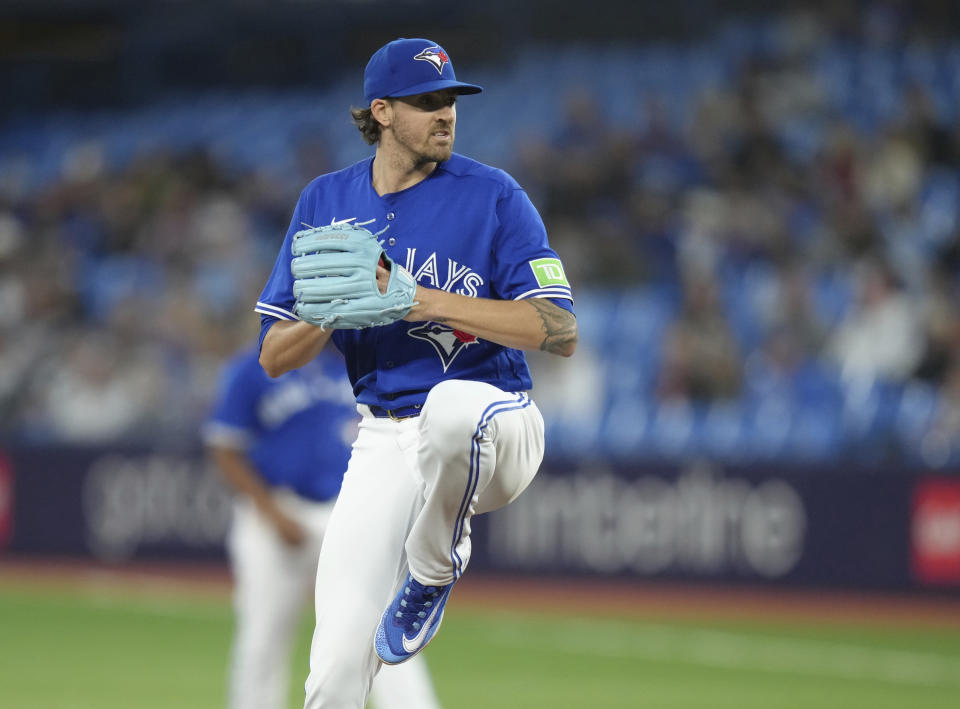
(410, 621)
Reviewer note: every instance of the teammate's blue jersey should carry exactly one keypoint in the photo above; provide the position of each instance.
(467, 228)
(296, 429)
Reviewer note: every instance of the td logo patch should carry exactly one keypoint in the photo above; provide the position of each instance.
(549, 272)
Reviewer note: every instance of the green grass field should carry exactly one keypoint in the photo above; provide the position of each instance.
(117, 649)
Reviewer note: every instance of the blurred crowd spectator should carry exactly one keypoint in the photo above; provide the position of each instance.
(124, 291)
(800, 244)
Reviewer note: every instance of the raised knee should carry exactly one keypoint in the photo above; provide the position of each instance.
(445, 394)
(447, 418)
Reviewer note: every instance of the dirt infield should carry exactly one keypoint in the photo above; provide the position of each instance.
(581, 596)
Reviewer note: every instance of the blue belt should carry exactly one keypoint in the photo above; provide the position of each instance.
(404, 412)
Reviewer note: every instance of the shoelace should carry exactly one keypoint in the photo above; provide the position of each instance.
(414, 607)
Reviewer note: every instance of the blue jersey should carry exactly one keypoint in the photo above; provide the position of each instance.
(467, 228)
(295, 429)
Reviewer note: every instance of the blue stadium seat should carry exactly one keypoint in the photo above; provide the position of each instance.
(723, 433)
(625, 428)
(916, 412)
(108, 282)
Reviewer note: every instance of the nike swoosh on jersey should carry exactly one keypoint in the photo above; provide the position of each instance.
(414, 643)
(338, 222)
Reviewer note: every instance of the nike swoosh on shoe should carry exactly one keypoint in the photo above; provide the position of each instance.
(414, 643)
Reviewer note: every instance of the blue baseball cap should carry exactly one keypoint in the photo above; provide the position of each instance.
(405, 67)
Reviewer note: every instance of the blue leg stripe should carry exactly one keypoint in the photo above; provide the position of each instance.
(473, 478)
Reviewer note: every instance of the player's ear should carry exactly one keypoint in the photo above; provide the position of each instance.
(382, 111)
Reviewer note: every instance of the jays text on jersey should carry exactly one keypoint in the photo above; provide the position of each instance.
(467, 228)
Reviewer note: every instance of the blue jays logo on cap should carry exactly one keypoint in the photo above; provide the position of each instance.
(435, 56)
(404, 67)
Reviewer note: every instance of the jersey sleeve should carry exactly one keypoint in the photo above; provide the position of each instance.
(524, 264)
(233, 420)
(276, 300)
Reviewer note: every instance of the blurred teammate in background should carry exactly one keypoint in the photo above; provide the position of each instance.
(285, 490)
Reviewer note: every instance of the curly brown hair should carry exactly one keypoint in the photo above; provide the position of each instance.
(367, 125)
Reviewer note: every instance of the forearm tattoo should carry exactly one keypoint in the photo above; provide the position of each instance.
(559, 326)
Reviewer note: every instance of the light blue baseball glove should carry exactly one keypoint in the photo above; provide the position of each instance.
(335, 279)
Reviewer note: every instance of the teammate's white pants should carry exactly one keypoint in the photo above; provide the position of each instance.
(409, 492)
(272, 581)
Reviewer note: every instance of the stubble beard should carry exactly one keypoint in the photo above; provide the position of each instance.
(425, 153)
(434, 155)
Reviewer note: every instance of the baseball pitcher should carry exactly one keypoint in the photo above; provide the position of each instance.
(431, 273)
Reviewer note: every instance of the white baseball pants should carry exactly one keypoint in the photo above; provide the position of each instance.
(272, 582)
(410, 491)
